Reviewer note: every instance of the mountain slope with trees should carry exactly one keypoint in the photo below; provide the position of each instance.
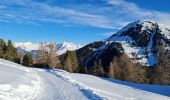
(137, 53)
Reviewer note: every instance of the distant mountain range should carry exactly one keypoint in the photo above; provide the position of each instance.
(32, 48)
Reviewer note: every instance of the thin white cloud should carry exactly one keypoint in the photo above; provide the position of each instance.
(35, 11)
(132, 12)
(113, 14)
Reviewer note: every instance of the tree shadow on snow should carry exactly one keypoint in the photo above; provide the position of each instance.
(158, 89)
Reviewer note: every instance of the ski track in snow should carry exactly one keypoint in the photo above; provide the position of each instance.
(112, 89)
(20, 83)
(55, 88)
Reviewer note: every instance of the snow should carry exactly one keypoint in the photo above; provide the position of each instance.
(17, 82)
(65, 46)
(137, 54)
(166, 32)
(55, 88)
(26, 47)
(117, 90)
(151, 58)
(146, 24)
(21, 83)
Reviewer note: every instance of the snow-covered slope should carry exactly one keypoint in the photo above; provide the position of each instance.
(20, 83)
(114, 89)
(137, 39)
(141, 41)
(27, 46)
(31, 48)
(65, 46)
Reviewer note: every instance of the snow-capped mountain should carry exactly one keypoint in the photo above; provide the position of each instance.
(65, 46)
(27, 46)
(140, 52)
(32, 48)
(140, 40)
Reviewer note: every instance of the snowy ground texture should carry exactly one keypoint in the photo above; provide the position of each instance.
(21, 83)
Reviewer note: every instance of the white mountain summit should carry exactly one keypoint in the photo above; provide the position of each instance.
(28, 47)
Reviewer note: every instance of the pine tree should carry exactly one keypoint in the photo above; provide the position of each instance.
(11, 53)
(71, 63)
(27, 60)
(3, 48)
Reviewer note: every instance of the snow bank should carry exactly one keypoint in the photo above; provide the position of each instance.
(17, 82)
(21, 83)
(114, 89)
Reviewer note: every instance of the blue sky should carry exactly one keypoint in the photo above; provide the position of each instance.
(77, 21)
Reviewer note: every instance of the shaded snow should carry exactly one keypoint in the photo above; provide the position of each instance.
(117, 90)
(166, 32)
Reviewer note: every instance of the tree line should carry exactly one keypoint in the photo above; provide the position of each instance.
(9, 52)
(47, 55)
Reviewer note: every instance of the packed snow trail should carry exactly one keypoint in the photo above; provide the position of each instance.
(115, 89)
(21, 83)
(55, 88)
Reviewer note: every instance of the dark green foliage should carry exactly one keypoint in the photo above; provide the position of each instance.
(69, 61)
(8, 51)
(27, 60)
(3, 48)
(84, 52)
(106, 57)
(113, 63)
(11, 53)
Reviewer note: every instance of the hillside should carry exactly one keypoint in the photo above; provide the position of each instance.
(21, 83)
(140, 52)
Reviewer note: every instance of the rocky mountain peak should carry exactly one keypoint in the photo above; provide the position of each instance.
(141, 41)
(140, 32)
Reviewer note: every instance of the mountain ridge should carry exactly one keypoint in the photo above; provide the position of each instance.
(138, 53)
(28, 47)
(137, 38)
